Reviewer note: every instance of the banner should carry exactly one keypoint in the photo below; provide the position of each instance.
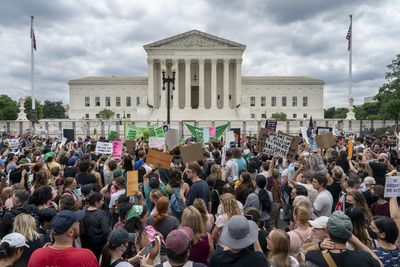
(132, 183)
(278, 144)
(116, 149)
(392, 186)
(159, 159)
(198, 131)
(133, 132)
(104, 148)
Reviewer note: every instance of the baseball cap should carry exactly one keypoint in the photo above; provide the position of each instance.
(15, 240)
(72, 160)
(179, 240)
(339, 224)
(369, 180)
(135, 212)
(118, 172)
(120, 236)
(320, 222)
(49, 155)
(64, 219)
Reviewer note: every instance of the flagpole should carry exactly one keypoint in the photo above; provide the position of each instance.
(32, 76)
(350, 114)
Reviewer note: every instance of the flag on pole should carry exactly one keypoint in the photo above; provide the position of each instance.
(33, 39)
(348, 36)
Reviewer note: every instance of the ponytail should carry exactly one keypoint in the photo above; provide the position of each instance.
(265, 200)
(106, 255)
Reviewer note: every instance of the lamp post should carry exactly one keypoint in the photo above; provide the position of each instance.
(168, 80)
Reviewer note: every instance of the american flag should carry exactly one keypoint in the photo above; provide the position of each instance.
(348, 37)
(33, 39)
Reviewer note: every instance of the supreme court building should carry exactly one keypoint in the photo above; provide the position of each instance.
(208, 86)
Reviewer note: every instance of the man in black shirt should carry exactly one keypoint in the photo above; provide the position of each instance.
(199, 188)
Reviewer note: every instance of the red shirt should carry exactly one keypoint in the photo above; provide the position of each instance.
(76, 257)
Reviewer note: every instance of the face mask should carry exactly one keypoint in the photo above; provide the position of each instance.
(348, 206)
(372, 234)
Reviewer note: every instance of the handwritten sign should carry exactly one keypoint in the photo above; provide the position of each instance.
(130, 146)
(213, 131)
(104, 148)
(156, 142)
(278, 144)
(324, 130)
(262, 138)
(132, 183)
(14, 143)
(191, 153)
(325, 140)
(63, 140)
(159, 159)
(392, 186)
(116, 149)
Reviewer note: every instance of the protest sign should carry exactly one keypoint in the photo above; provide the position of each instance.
(112, 135)
(271, 125)
(104, 148)
(293, 147)
(132, 183)
(206, 135)
(130, 146)
(350, 149)
(159, 131)
(278, 144)
(14, 143)
(159, 158)
(171, 138)
(304, 134)
(191, 153)
(69, 134)
(213, 131)
(392, 186)
(326, 140)
(324, 130)
(236, 134)
(156, 142)
(116, 149)
(63, 140)
(229, 137)
(262, 137)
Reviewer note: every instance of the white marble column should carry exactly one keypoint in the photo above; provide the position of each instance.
(150, 88)
(226, 84)
(163, 102)
(238, 93)
(201, 83)
(214, 95)
(187, 84)
(175, 67)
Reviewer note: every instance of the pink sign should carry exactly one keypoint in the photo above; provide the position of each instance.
(213, 131)
(117, 149)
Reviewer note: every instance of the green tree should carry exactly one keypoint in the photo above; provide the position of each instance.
(329, 113)
(279, 116)
(53, 110)
(340, 113)
(8, 108)
(367, 111)
(390, 109)
(28, 108)
(106, 114)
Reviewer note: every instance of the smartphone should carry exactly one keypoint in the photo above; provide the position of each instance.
(147, 249)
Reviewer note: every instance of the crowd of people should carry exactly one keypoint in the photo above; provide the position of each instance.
(65, 205)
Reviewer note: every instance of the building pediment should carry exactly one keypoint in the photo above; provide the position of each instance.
(193, 39)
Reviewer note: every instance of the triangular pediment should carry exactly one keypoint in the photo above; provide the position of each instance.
(194, 39)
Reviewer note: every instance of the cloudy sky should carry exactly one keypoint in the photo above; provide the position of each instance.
(78, 38)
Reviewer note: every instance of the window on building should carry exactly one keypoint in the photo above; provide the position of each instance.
(263, 115)
(137, 101)
(128, 115)
(118, 101)
(305, 101)
(97, 101)
(273, 101)
(118, 116)
(108, 101)
(305, 115)
(253, 116)
(263, 101)
(284, 101)
(294, 116)
(128, 101)
(86, 116)
(252, 101)
(294, 101)
(87, 101)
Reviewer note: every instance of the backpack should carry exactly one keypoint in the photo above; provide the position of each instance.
(176, 202)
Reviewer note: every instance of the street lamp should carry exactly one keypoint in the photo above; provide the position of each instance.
(168, 81)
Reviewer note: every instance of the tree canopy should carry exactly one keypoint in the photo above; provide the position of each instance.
(279, 116)
(106, 114)
(53, 110)
(8, 108)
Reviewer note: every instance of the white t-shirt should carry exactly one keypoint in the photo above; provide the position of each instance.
(114, 197)
(323, 204)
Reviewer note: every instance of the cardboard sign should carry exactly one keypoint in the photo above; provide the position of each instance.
(172, 138)
(278, 144)
(271, 125)
(327, 140)
(262, 137)
(191, 153)
(104, 148)
(291, 156)
(132, 183)
(14, 143)
(206, 135)
(350, 149)
(213, 131)
(130, 146)
(324, 130)
(392, 186)
(156, 142)
(117, 149)
(159, 158)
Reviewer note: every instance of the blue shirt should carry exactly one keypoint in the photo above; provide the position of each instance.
(389, 258)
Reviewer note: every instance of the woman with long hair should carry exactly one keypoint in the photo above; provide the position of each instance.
(356, 215)
(301, 233)
(230, 207)
(356, 199)
(114, 248)
(202, 243)
(174, 187)
(208, 219)
(161, 221)
(278, 245)
(245, 188)
(215, 178)
(25, 224)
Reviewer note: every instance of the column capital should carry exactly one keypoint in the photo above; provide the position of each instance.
(201, 60)
(239, 60)
(214, 60)
(226, 60)
(150, 61)
(188, 60)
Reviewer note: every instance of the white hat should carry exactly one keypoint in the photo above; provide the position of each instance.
(320, 222)
(15, 240)
(369, 180)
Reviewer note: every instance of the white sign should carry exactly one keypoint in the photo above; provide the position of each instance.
(104, 148)
(392, 186)
(304, 134)
(156, 142)
(277, 145)
(171, 138)
(14, 143)
(206, 135)
(63, 140)
(229, 137)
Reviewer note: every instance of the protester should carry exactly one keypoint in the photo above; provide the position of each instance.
(278, 246)
(11, 249)
(324, 201)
